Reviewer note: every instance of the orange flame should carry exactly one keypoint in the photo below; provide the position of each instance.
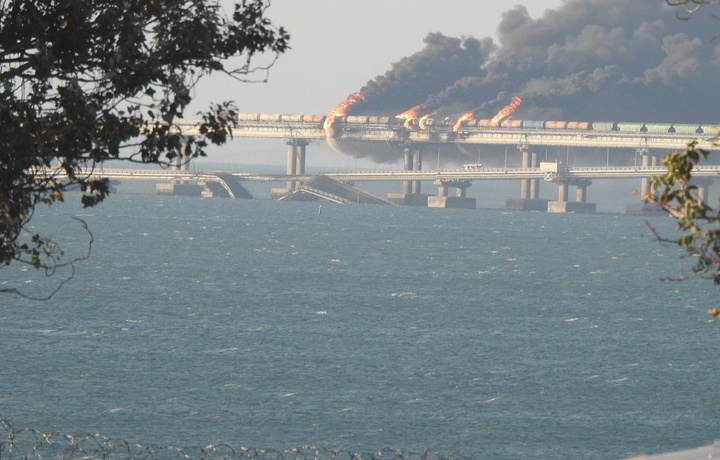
(409, 115)
(422, 122)
(458, 124)
(341, 109)
(507, 110)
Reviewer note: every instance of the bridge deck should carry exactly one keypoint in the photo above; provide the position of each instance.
(568, 173)
(468, 136)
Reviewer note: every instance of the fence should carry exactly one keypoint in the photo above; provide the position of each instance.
(28, 443)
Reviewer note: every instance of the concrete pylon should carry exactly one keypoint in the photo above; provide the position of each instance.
(295, 159)
(417, 166)
(411, 192)
(444, 200)
(562, 205)
(524, 183)
(702, 184)
(534, 183)
(646, 160)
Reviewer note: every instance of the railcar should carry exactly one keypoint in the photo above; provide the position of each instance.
(578, 125)
(603, 126)
(533, 124)
(555, 124)
(657, 128)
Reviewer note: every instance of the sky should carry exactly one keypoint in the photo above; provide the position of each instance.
(603, 60)
(336, 48)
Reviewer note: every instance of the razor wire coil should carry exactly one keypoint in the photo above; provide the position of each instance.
(32, 444)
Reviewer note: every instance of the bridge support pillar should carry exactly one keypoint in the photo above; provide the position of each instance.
(408, 166)
(529, 188)
(524, 183)
(411, 194)
(444, 200)
(295, 159)
(417, 166)
(179, 186)
(644, 208)
(702, 184)
(581, 194)
(562, 205)
(534, 183)
(295, 165)
(646, 159)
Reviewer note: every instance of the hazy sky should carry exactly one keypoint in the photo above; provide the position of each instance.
(582, 59)
(336, 48)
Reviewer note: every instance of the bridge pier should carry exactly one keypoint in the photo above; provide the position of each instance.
(178, 186)
(444, 200)
(529, 188)
(646, 159)
(411, 194)
(295, 159)
(295, 165)
(562, 205)
(702, 184)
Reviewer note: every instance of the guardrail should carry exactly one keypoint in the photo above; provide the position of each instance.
(569, 173)
(470, 135)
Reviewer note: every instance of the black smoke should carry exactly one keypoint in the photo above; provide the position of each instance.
(589, 60)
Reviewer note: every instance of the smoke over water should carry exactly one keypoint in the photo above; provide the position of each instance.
(589, 60)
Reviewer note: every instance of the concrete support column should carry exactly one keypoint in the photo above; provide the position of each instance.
(525, 183)
(178, 163)
(534, 183)
(295, 159)
(300, 149)
(581, 194)
(417, 166)
(407, 185)
(702, 184)
(442, 189)
(443, 200)
(644, 181)
(562, 192)
(291, 163)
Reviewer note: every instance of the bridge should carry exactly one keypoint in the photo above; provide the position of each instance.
(648, 142)
(289, 127)
(580, 177)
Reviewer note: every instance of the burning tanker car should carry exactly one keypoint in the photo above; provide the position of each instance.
(337, 121)
(337, 124)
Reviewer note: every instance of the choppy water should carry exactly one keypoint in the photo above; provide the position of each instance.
(487, 333)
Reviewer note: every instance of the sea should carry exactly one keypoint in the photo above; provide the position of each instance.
(479, 334)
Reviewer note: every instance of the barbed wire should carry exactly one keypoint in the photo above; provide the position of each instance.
(29, 443)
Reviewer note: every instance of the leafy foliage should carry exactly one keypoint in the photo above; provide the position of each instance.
(85, 82)
(698, 223)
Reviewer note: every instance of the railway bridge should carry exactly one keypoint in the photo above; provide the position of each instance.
(645, 142)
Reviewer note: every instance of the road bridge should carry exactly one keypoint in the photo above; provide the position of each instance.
(444, 180)
(646, 142)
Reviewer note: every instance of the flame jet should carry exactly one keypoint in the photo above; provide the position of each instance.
(340, 110)
(409, 115)
(500, 116)
(507, 110)
(459, 122)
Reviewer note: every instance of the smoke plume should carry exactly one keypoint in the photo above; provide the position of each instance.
(589, 60)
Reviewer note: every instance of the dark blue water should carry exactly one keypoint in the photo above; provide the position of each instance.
(486, 333)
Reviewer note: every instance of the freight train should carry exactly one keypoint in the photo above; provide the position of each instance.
(446, 124)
